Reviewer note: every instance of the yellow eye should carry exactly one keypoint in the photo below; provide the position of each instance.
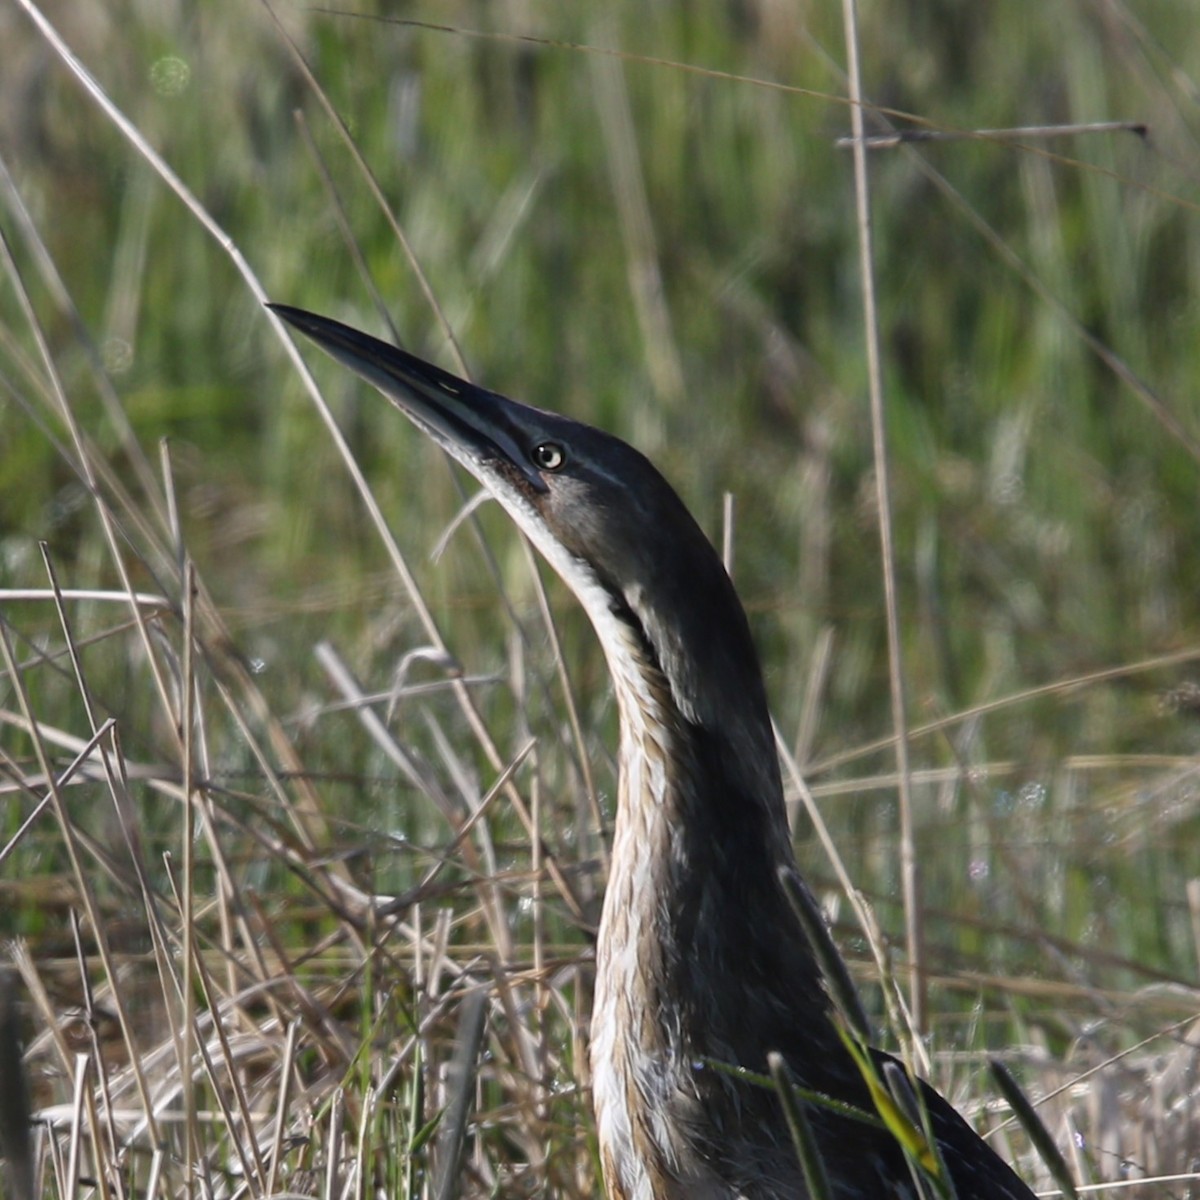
(548, 456)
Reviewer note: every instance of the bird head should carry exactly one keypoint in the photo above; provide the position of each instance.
(598, 511)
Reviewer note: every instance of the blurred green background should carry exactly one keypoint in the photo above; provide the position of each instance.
(647, 243)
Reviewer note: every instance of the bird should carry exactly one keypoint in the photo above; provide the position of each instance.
(704, 968)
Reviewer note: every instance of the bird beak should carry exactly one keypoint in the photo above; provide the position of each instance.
(475, 426)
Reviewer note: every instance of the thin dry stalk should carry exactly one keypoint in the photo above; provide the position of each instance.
(81, 876)
(461, 1079)
(1014, 699)
(909, 872)
(898, 1015)
(283, 1101)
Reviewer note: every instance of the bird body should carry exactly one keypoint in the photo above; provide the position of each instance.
(701, 962)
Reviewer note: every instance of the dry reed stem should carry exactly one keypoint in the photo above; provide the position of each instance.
(909, 871)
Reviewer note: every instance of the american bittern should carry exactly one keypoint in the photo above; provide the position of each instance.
(701, 958)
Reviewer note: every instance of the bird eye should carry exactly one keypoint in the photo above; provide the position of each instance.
(548, 456)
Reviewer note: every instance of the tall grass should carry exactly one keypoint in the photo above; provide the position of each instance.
(365, 921)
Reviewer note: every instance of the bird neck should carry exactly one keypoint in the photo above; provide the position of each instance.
(698, 952)
(691, 697)
(700, 818)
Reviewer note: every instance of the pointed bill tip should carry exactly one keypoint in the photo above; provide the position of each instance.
(470, 422)
(375, 360)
